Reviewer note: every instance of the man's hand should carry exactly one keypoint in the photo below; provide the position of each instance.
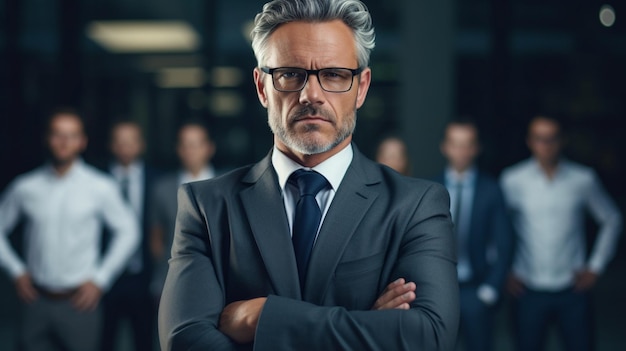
(25, 289)
(585, 280)
(87, 297)
(515, 286)
(240, 318)
(397, 294)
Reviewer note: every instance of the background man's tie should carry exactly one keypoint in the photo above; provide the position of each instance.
(308, 216)
(461, 235)
(125, 185)
(458, 204)
(135, 263)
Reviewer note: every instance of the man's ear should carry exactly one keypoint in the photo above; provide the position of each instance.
(259, 84)
(365, 78)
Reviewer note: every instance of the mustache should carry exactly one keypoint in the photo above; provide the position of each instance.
(309, 110)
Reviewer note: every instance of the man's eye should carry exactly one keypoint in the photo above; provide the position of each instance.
(335, 75)
(290, 75)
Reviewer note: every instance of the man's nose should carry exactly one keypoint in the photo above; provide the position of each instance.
(312, 93)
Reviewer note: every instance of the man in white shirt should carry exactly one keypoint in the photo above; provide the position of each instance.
(195, 149)
(64, 204)
(548, 197)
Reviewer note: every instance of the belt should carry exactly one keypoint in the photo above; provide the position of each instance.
(56, 295)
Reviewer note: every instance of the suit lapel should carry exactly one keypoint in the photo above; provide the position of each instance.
(264, 207)
(352, 200)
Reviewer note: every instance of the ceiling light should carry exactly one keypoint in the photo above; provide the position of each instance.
(226, 77)
(181, 77)
(144, 36)
(607, 15)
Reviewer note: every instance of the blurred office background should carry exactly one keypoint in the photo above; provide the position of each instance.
(163, 61)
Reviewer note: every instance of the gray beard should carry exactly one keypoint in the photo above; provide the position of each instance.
(301, 145)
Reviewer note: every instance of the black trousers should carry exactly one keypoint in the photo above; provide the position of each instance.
(476, 320)
(534, 311)
(54, 324)
(129, 299)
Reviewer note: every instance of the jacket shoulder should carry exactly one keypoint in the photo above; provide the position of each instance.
(222, 184)
(401, 185)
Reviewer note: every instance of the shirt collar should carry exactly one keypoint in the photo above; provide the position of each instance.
(333, 169)
(75, 169)
(561, 167)
(120, 171)
(453, 177)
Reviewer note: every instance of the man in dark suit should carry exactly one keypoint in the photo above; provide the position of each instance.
(261, 260)
(484, 233)
(195, 149)
(129, 298)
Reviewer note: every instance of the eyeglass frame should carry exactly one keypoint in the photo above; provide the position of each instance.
(314, 72)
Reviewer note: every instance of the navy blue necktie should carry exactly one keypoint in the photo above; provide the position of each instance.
(307, 218)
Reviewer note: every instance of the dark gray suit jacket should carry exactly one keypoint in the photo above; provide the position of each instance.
(232, 242)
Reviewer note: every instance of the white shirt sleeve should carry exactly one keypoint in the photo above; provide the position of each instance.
(122, 223)
(607, 215)
(9, 215)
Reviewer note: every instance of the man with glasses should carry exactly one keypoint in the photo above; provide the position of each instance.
(548, 197)
(315, 247)
(292, 79)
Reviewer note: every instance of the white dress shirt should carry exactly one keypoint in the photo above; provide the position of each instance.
(63, 223)
(548, 216)
(333, 169)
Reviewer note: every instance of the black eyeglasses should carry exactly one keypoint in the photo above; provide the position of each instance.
(291, 79)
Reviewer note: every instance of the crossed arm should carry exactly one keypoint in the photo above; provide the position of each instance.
(193, 313)
(240, 318)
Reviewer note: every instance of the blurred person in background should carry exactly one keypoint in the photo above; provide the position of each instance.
(65, 204)
(392, 152)
(129, 298)
(548, 196)
(484, 233)
(195, 149)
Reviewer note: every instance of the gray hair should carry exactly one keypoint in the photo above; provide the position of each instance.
(352, 12)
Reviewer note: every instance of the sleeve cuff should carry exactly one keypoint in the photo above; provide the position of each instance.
(101, 282)
(17, 272)
(595, 266)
